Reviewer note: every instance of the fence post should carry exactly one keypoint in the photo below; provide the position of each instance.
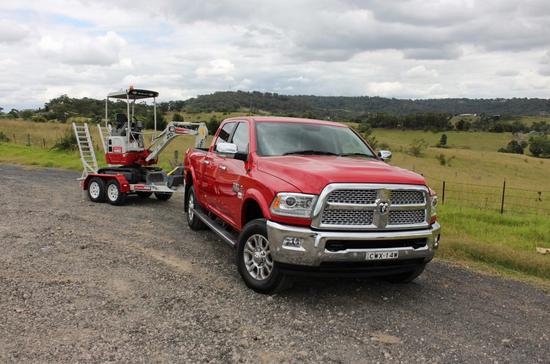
(14, 140)
(43, 143)
(443, 194)
(28, 140)
(502, 200)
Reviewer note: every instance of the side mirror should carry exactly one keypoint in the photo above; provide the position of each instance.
(226, 148)
(385, 155)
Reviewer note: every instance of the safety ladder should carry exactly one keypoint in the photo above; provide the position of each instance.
(86, 149)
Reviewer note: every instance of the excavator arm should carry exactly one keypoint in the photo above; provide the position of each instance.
(175, 129)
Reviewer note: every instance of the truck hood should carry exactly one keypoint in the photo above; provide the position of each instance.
(310, 174)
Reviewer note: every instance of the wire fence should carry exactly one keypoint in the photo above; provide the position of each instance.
(502, 198)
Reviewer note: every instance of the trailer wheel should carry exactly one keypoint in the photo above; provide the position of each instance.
(192, 220)
(163, 196)
(96, 190)
(143, 194)
(114, 195)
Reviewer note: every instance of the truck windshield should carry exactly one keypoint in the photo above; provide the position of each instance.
(280, 138)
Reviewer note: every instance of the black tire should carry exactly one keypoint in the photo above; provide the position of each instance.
(406, 277)
(192, 219)
(96, 190)
(275, 281)
(163, 196)
(114, 195)
(143, 194)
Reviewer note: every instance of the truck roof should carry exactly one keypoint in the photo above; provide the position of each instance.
(284, 119)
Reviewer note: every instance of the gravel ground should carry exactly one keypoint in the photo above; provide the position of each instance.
(84, 282)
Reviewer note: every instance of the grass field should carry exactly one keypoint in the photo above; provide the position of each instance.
(504, 244)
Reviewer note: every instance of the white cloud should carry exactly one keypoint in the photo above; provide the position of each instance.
(103, 50)
(11, 32)
(217, 67)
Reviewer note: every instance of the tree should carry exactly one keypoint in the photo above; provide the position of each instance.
(14, 113)
(540, 146)
(513, 147)
(443, 141)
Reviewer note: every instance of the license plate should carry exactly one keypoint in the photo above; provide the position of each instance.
(382, 255)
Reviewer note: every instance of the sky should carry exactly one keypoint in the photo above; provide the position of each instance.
(403, 49)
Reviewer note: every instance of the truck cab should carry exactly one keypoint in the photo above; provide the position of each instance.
(301, 196)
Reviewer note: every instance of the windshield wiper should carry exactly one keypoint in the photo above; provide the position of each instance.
(357, 154)
(311, 152)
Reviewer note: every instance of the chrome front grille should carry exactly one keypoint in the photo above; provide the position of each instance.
(372, 206)
(407, 197)
(359, 197)
(347, 217)
(406, 217)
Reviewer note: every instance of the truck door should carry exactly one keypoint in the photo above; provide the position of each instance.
(210, 167)
(230, 177)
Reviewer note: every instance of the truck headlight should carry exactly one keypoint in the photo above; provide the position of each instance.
(293, 204)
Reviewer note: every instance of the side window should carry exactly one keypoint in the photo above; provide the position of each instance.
(241, 137)
(225, 133)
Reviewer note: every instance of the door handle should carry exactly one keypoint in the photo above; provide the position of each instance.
(204, 161)
(223, 168)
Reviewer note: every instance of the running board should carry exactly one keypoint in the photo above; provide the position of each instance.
(217, 228)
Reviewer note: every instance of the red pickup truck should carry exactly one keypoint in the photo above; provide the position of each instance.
(300, 196)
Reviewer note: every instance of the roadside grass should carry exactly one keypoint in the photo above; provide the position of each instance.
(36, 156)
(504, 242)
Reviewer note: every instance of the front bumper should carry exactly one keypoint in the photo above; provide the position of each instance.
(312, 252)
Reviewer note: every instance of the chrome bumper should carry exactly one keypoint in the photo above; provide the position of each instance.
(312, 251)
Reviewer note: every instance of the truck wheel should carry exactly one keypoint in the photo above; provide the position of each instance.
(96, 190)
(114, 195)
(143, 194)
(192, 219)
(255, 262)
(163, 196)
(407, 276)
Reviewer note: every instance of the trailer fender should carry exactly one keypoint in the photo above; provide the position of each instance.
(122, 181)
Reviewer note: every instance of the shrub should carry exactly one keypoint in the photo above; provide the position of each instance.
(39, 119)
(66, 142)
(417, 147)
(212, 125)
(444, 161)
(513, 147)
(3, 137)
(177, 117)
(540, 146)
(366, 130)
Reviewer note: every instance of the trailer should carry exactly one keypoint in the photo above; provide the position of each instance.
(131, 166)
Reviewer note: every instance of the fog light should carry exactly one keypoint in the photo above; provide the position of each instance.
(292, 242)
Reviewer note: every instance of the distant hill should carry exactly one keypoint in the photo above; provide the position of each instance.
(349, 108)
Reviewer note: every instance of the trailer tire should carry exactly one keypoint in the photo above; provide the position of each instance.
(97, 190)
(163, 196)
(255, 262)
(192, 220)
(144, 194)
(114, 195)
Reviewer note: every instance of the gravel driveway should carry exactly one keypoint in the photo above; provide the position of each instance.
(84, 282)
